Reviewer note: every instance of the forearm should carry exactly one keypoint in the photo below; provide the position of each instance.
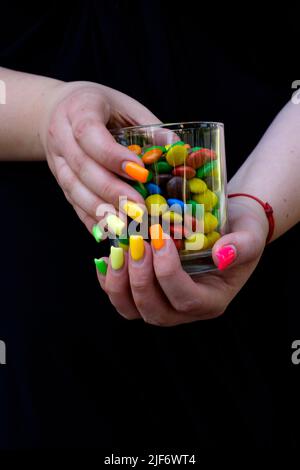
(272, 171)
(21, 114)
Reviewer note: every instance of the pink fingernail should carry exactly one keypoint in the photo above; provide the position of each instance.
(226, 255)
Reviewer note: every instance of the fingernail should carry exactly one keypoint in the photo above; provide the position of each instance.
(226, 255)
(116, 257)
(101, 265)
(137, 249)
(156, 234)
(97, 233)
(136, 171)
(133, 210)
(115, 224)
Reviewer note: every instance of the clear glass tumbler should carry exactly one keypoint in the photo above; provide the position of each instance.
(186, 184)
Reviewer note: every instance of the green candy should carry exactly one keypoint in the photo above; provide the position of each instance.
(101, 265)
(163, 167)
(180, 142)
(215, 212)
(150, 176)
(97, 233)
(206, 169)
(193, 204)
(140, 188)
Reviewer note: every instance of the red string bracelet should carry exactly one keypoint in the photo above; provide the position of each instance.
(267, 208)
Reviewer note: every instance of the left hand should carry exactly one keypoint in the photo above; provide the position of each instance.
(160, 292)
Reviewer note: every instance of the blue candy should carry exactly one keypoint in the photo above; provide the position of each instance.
(176, 202)
(153, 188)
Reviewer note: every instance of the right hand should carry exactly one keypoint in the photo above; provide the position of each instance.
(85, 159)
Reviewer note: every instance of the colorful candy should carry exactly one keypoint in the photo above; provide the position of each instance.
(176, 154)
(197, 186)
(156, 204)
(153, 188)
(177, 188)
(185, 171)
(208, 198)
(152, 155)
(135, 148)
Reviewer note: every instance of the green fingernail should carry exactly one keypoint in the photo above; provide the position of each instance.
(101, 265)
(97, 232)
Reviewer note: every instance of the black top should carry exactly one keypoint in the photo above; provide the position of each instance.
(77, 374)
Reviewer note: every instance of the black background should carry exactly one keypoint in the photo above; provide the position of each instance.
(78, 375)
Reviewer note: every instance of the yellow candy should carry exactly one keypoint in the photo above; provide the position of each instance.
(176, 155)
(156, 204)
(212, 237)
(197, 185)
(173, 217)
(208, 198)
(167, 146)
(115, 224)
(196, 241)
(133, 210)
(210, 222)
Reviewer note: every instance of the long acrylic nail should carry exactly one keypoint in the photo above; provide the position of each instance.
(156, 234)
(133, 210)
(97, 233)
(137, 248)
(101, 266)
(115, 224)
(226, 255)
(137, 172)
(116, 257)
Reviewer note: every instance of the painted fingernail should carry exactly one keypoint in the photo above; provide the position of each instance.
(137, 248)
(97, 233)
(115, 224)
(156, 234)
(101, 266)
(226, 255)
(133, 210)
(116, 257)
(136, 171)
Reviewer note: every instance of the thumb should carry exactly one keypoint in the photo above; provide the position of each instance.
(237, 248)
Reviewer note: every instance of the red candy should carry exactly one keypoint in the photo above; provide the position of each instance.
(178, 243)
(185, 171)
(199, 157)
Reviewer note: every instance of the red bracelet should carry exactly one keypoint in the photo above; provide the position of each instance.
(267, 208)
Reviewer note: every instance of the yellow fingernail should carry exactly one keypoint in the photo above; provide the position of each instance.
(136, 244)
(116, 257)
(133, 210)
(115, 224)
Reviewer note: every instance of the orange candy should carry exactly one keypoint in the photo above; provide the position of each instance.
(136, 172)
(135, 148)
(152, 156)
(156, 234)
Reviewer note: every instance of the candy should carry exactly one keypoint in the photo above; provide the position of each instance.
(173, 217)
(210, 222)
(116, 257)
(191, 205)
(156, 204)
(176, 155)
(163, 167)
(178, 231)
(178, 243)
(212, 237)
(97, 233)
(141, 189)
(196, 241)
(115, 224)
(186, 171)
(101, 266)
(197, 186)
(122, 245)
(152, 155)
(137, 248)
(162, 179)
(208, 198)
(153, 188)
(206, 169)
(195, 158)
(149, 177)
(123, 240)
(177, 188)
(136, 172)
(178, 205)
(135, 148)
(156, 235)
(133, 210)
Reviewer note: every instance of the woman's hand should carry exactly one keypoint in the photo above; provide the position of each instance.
(83, 156)
(157, 289)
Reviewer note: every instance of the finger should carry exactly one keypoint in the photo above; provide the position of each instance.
(117, 288)
(97, 142)
(148, 297)
(88, 221)
(190, 299)
(78, 193)
(94, 176)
